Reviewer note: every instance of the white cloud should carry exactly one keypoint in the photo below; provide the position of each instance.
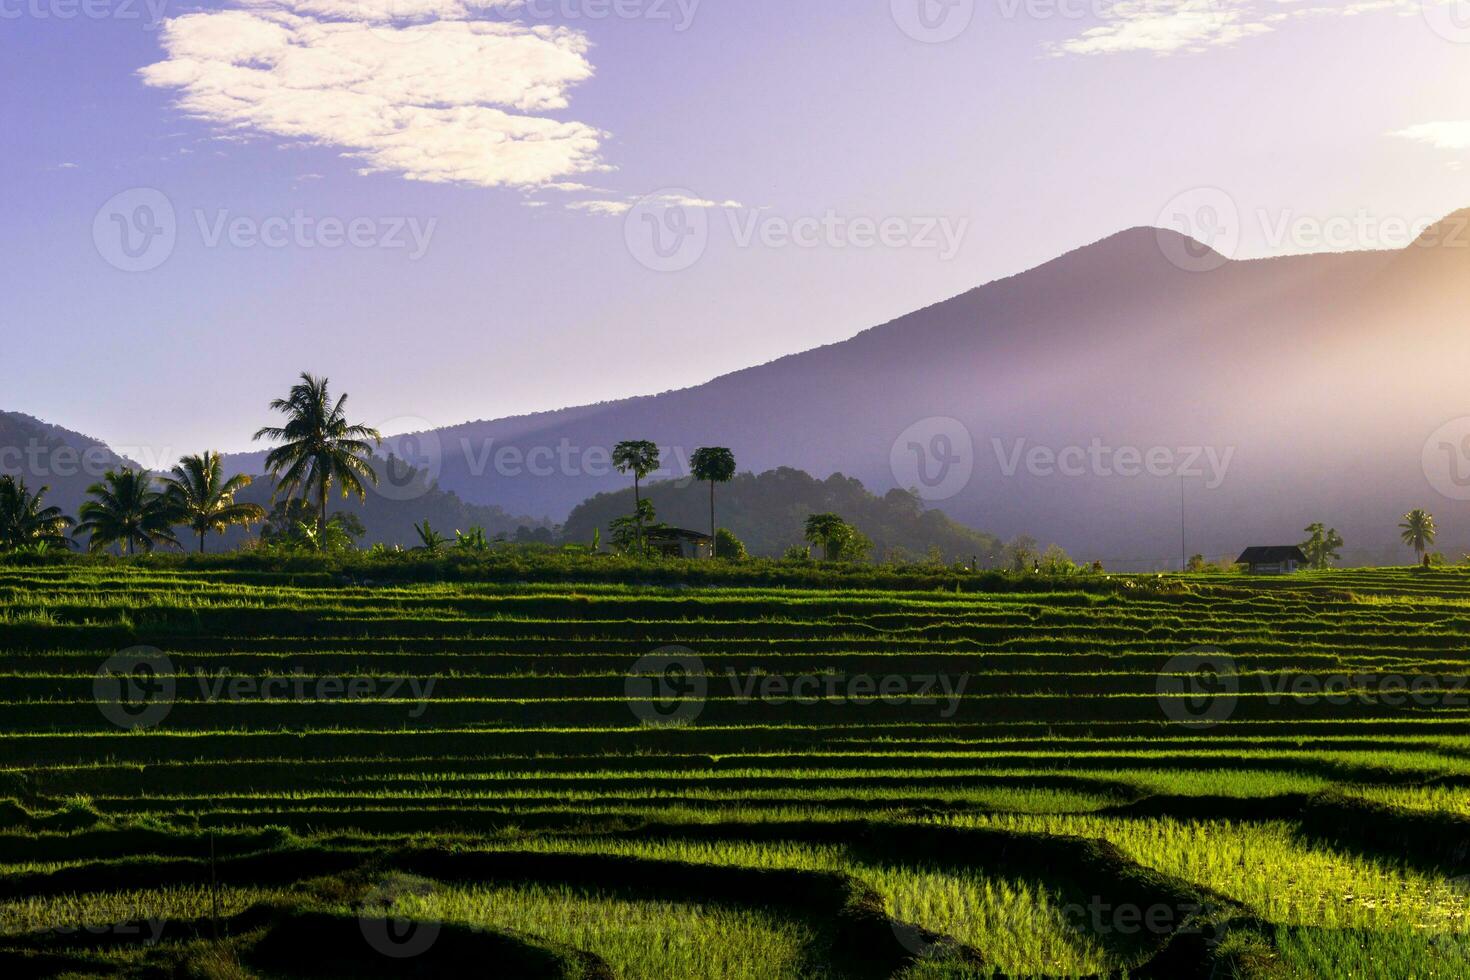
(1452, 135)
(608, 208)
(371, 11)
(1166, 27)
(1163, 27)
(615, 208)
(685, 201)
(411, 87)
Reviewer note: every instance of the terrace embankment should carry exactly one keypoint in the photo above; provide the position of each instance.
(850, 776)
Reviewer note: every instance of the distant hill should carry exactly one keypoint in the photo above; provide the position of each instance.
(68, 462)
(1317, 380)
(43, 454)
(1132, 410)
(767, 513)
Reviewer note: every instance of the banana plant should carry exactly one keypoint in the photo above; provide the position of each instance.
(433, 542)
(472, 540)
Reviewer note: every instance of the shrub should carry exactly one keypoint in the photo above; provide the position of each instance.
(856, 546)
(1055, 561)
(728, 546)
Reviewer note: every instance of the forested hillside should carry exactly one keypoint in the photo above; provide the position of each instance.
(767, 511)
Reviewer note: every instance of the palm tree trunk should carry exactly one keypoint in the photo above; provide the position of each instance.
(638, 513)
(712, 519)
(201, 542)
(321, 524)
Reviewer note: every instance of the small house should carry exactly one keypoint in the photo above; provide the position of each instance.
(1275, 560)
(676, 542)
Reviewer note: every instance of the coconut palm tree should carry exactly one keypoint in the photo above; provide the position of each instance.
(25, 521)
(829, 531)
(713, 464)
(126, 511)
(320, 447)
(201, 498)
(1418, 531)
(640, 458)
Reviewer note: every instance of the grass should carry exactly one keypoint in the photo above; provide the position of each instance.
(1023, 928)
(1431, 799)
(640, 939)
(1270, 868)
(527, 742)
(1306, 954)
(94, 912)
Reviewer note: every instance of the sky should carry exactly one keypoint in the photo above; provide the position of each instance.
(468, 209)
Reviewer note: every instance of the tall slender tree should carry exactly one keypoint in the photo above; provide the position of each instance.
(203, 500)
(128, 511)
(320, 448)
(713, 464)
(25, 520)
(1418, 531)
(639, 458)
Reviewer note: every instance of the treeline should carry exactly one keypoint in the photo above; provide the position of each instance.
(389, 521)
(320, 457)
(769, 511)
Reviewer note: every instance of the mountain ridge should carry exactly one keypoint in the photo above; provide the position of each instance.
(1081, 336)
(1312, 374)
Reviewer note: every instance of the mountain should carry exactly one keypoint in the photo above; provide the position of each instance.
(46, 455)
(1109, 400)
(68, 462)
(767, 512)
(1317, 381)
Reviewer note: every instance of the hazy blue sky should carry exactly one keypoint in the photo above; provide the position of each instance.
(834, 163)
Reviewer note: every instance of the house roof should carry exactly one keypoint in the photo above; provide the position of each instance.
(1271, 555)
(675, 534)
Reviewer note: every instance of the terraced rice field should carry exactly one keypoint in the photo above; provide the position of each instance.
(226, 774)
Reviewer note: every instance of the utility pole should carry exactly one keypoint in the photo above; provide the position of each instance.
(1183, 550)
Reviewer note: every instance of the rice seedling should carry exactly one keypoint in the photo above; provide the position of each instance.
(641, 939)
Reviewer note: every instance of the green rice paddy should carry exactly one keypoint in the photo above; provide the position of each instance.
(227, 773)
